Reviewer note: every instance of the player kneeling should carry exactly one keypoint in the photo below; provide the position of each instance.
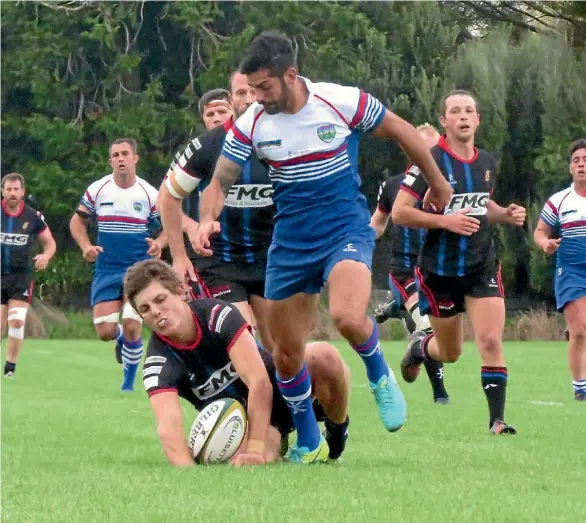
(203, 351)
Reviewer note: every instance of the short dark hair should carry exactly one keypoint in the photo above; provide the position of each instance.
(270, 50)
(141, 274)
(129, 141)
(214, 94)
(580, 143)
(457, 92)
(13, 177)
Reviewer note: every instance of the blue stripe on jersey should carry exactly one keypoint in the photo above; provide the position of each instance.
(406, 247)
(463, 239)
(224, 235)
(6, 248)
(441, 258)
(247, 177)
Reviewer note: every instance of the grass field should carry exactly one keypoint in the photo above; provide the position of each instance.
(74, 449)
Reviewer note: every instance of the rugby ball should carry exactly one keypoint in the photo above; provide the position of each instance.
(218, 431)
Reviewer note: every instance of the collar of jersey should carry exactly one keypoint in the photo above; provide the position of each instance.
(443, 143)
(191, 346)
(17, 213)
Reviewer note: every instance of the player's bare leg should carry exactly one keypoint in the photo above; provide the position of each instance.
(331, 387)
(290, 321)
(487, 316)
(4, 319)
(349, 293)
(16, 317)
(575, 314)
(260, 310)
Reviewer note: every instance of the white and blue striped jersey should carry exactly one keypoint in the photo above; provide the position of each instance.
(123, 217)
(313, 162)
(565, 213)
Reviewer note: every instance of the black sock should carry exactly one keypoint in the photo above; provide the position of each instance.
(425, 344)
(435, 373)
(494, 383)
(9, 367)
(333, 426)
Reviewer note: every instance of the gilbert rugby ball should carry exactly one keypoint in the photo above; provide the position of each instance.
(218, 431)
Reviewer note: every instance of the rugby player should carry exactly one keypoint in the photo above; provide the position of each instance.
(20, 226)
(236, 271)
(405, 244)
(457, 268)
(308, 134)
(124, 206)
(564, 217)
(203, 351)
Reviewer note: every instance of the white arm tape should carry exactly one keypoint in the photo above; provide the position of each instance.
(17, 313)
(179, 183)
(110, 318)
(128, 313)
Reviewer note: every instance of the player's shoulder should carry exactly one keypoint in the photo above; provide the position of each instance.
(247, 120)
(98, 184)
(141, 182)
(485, 157)
(333, 90)
(29, 211)
(213, 136)
(212, 313)
(557, 198)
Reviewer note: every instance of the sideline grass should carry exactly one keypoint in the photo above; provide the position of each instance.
(74, 449)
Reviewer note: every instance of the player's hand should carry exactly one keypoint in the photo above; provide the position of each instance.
(202, 237)
(91, 253)
(551, 246)
(248, 459)
(191, 231)
(154, 248)
(41, 262)
(438, 197)
(516, 214)
(184, 268)
(461, 224)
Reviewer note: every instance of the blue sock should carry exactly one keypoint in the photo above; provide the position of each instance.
(369, 351)
(131, 356)
(297, 394)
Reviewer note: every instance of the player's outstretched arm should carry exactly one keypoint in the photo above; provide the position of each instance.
(169, 420)
(251, 369)
(513, 214)
(393, 126)
(543, 238)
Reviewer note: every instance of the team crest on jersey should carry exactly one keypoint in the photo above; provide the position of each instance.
(137, 206)
(326, 133)
(487, 176)
(24, 226)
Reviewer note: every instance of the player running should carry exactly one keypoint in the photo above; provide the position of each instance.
(307, 133)
(236, 271)
(124, 207)
(564, 217)
(405, 244)
(20, 225)
(457, 269)
(203, 351)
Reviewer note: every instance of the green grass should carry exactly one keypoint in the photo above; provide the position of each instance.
(74, 449)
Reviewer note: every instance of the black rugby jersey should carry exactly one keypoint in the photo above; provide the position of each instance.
(247, 217)
(405, 242)
(203, 372)
(446, 253)
(17, 238)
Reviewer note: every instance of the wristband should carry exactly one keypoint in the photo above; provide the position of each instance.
(255, 445)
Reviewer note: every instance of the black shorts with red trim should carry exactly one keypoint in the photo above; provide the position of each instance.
(402, 283)
(444, 296)
(17, 286)
(233, 282)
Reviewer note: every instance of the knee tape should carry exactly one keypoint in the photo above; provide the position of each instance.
(110, 318)
(17, 313)
(128, 313)
(421, 321)
(16, 332)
